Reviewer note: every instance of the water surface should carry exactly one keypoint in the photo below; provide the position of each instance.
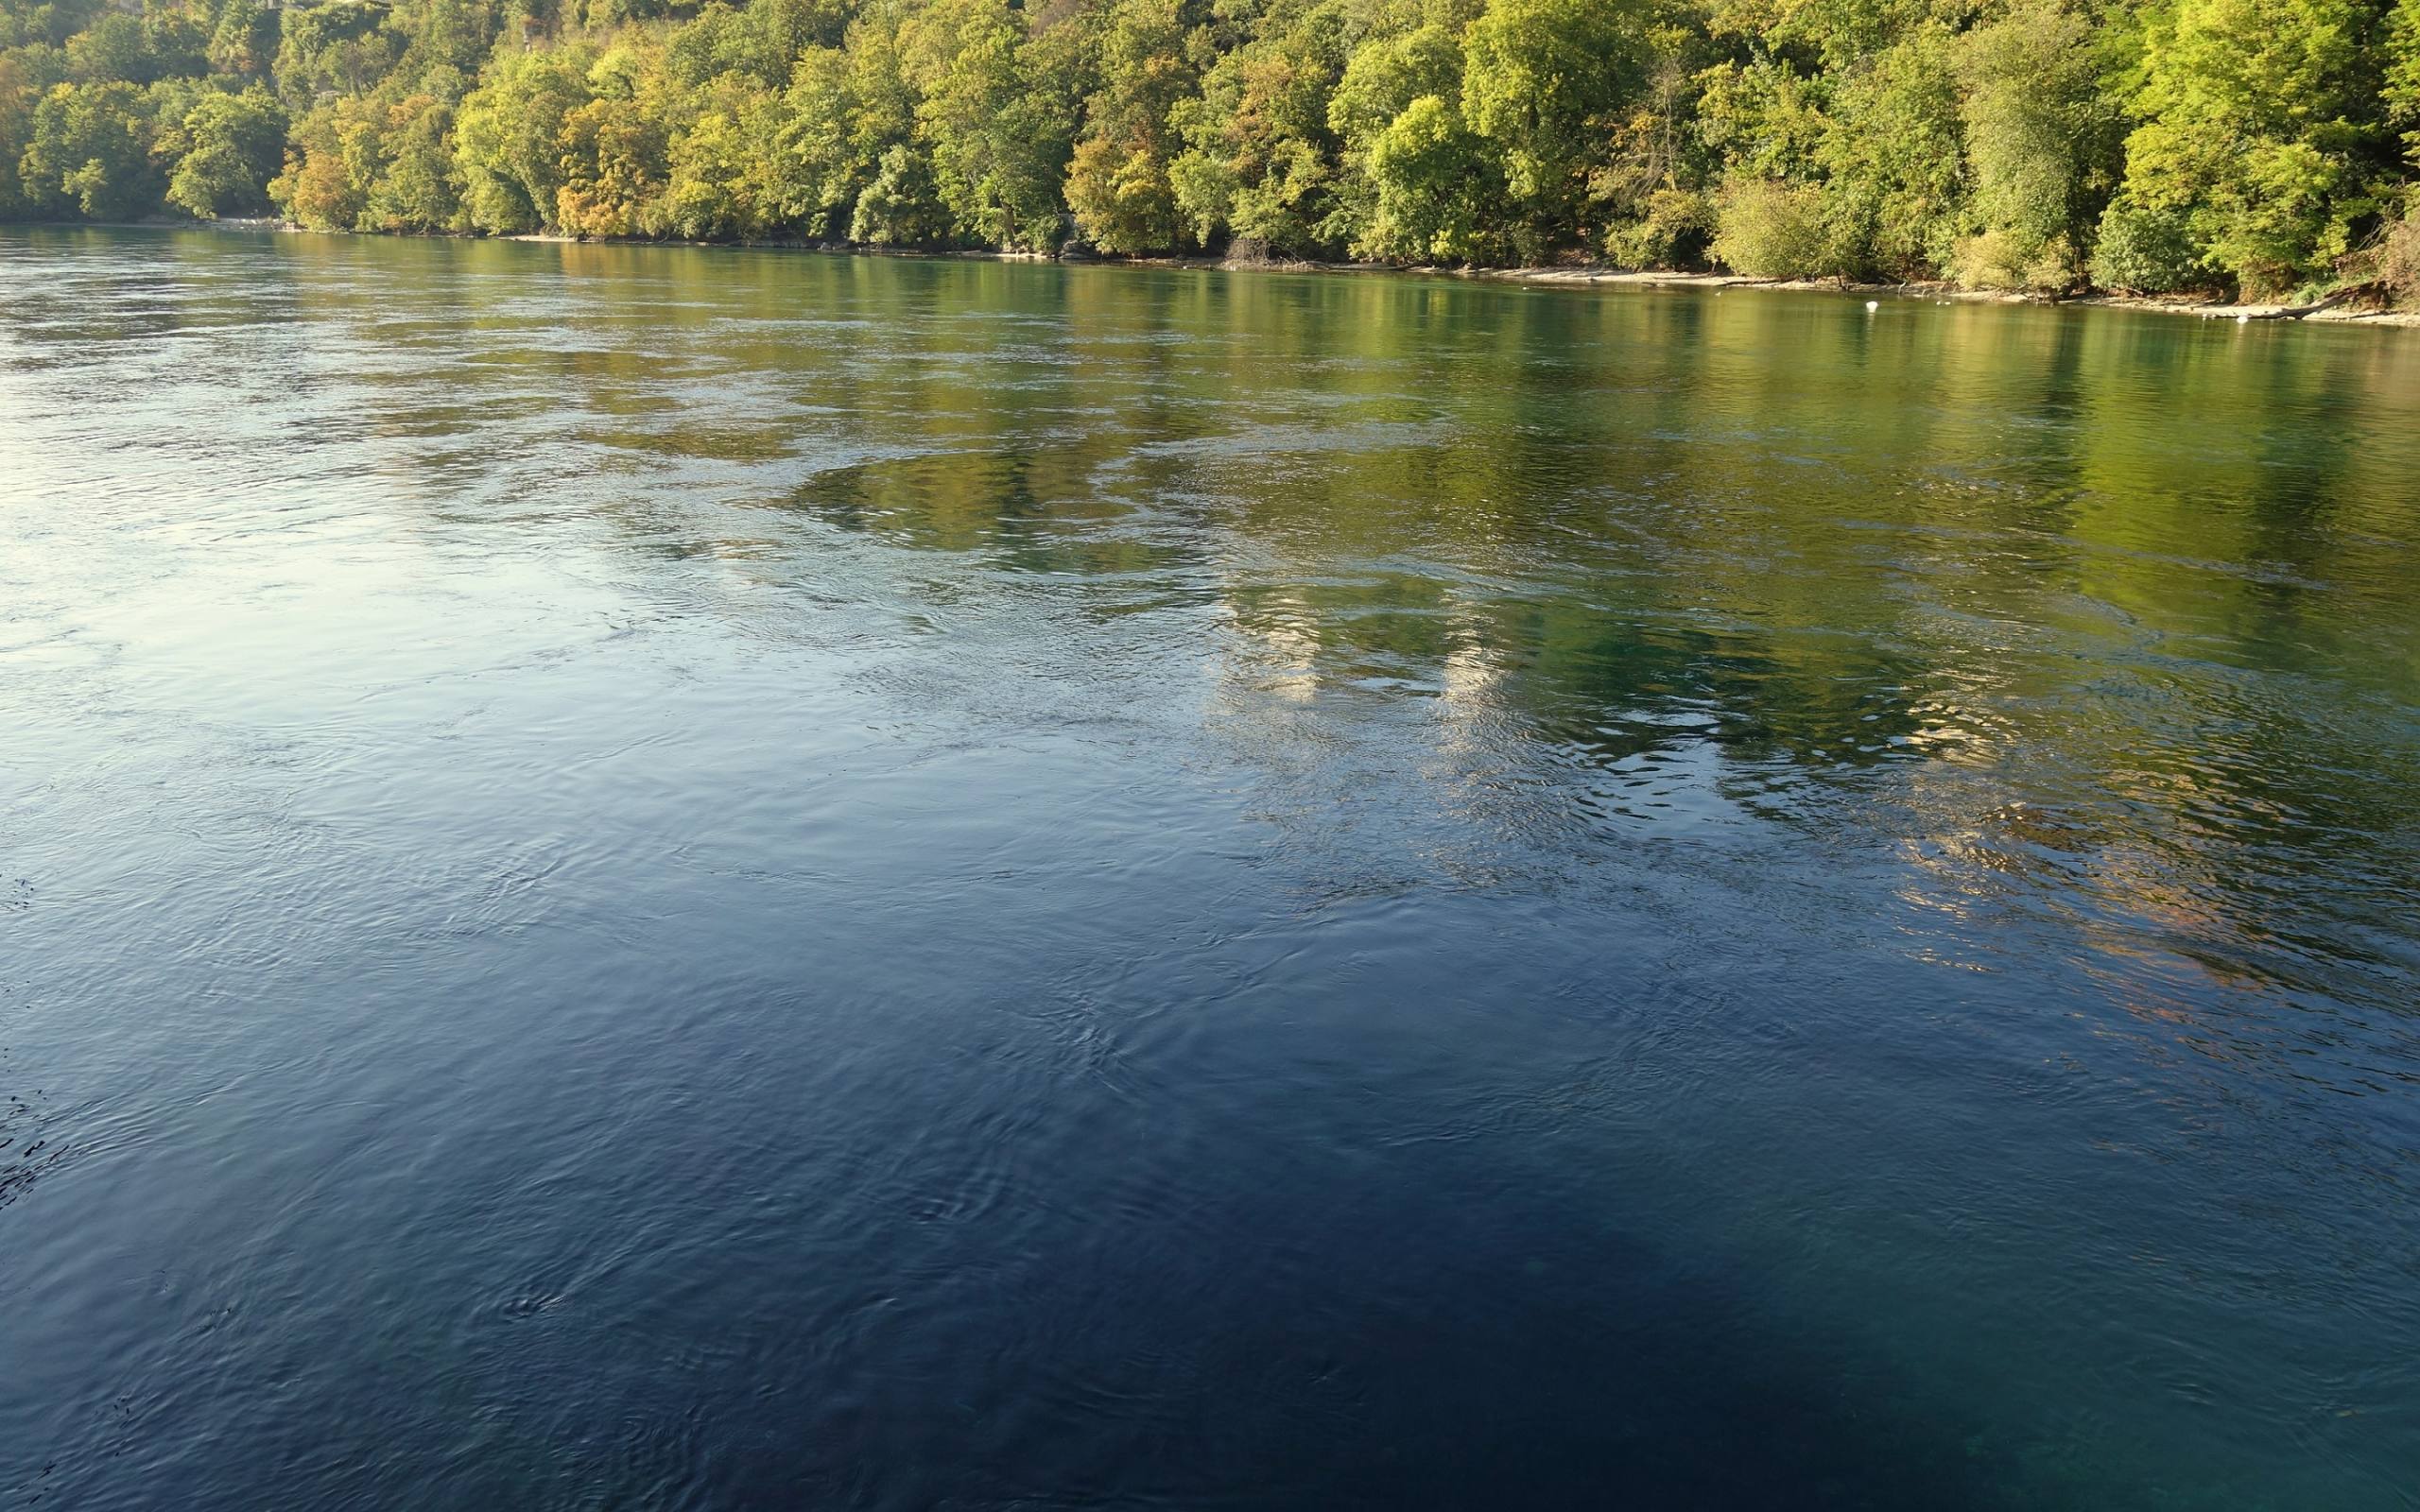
(690, 878)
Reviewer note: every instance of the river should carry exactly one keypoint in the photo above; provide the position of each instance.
(700, 878)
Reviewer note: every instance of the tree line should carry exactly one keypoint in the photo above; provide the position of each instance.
(2260, 147)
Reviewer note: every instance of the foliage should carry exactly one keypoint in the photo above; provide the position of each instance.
(225, 148)
(901, 206)
(1672, 229)
(615, 149)
(999, 109)
(2401, 86)
(721, 184)
(363, 164)
(1437, 184)
(1391, 74)
(1891, 158)
(2043, 143)
(507, 136)
(2252, 146)
(1543, 82)
(1770, 228)
(2260, 118)
(90, 147)
(1118, 182)
(16, 126)
(1650, 188)
(1261, 159)
(2146, 248)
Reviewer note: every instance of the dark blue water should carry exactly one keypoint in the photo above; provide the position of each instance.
(699, 879)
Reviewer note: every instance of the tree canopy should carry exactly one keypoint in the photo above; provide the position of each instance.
(2248, 147)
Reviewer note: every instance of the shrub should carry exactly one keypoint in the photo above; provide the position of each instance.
(1672, 234)
(2003, 258)
(903, 206)
(1768, 228)
(2145, 249)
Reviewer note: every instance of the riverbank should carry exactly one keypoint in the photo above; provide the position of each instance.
(1583, 276)
(2206, 309)
(1946, 293)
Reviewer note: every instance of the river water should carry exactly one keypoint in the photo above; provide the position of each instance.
(682, 878)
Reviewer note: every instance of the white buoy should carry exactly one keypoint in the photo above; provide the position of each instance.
(1873, 305)
(2243, 320)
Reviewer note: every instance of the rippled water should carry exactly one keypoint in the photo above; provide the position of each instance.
(684, 878)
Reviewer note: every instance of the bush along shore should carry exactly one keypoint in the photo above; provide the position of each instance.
(2258, 156)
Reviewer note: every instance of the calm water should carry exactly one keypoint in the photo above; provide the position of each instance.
(682, 878)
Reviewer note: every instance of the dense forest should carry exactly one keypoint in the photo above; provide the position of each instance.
(2260, 147)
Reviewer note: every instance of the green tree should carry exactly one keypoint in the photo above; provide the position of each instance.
(415, 186)
(244, 40)
(2258, 117)
(901, 206)
(1117, 180)
(1892, 157)
(506, 137)
(1762, 118)
(316, 187)
(47, 24)
(2263, 146)
(112, 49)
(1772, 228)
(342, 47)
(16, 126)
(1649, 189)
(175, 42)
(91, 147)
(1393, 213)
(615, 149)
(1261, 158)
(2044, 142)
(810, 179)
(719, 179)
(1437, 188)
(1543, 82)
(848, 106)
(445, 42)
(2401, 91)
(226, 149)
(998, 137)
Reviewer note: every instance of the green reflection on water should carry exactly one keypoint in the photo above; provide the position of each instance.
(2100, 619)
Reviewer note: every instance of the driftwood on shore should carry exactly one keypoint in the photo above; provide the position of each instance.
(2300, 312)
